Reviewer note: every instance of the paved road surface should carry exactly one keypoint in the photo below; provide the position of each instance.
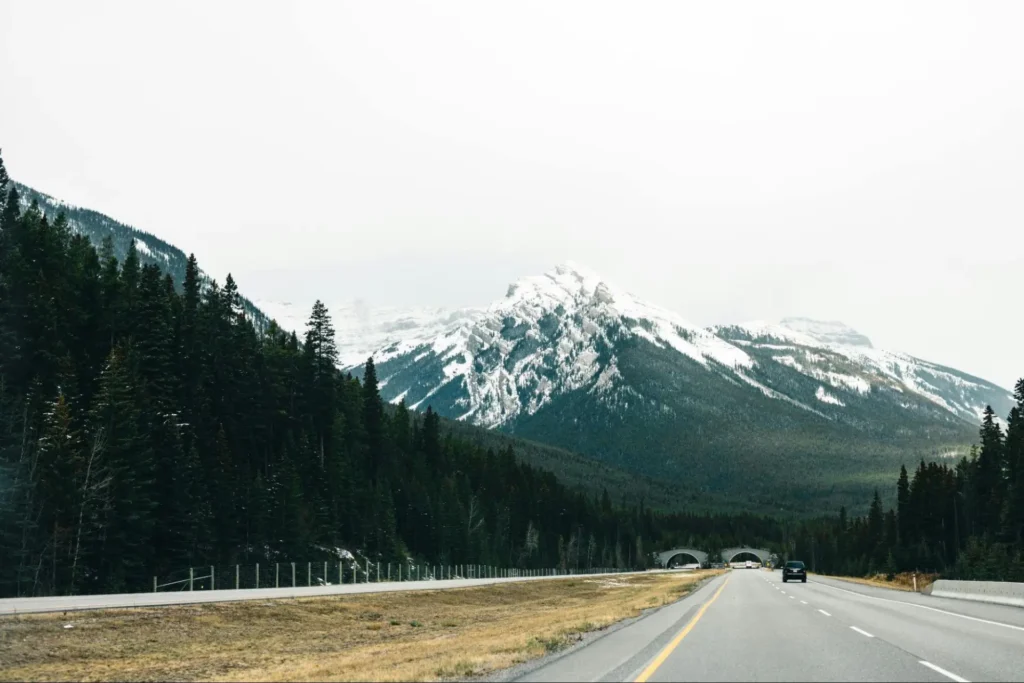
(85, 602)
(748, 625)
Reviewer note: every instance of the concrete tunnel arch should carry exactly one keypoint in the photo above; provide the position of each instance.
(729, 554)
(700, 557)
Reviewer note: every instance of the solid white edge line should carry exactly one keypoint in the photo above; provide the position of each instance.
(947, 674)
(862, 632)
(933, 609)
(825, 613)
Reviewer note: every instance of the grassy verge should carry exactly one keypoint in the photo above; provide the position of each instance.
(426, 635)
(900, 582)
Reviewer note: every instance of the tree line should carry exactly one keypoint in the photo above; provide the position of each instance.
(964, 520)
(146, 426)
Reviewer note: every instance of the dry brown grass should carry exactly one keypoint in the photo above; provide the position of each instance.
(425, 635)
(900, 582)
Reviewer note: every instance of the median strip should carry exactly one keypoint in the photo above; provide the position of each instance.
(411, 635)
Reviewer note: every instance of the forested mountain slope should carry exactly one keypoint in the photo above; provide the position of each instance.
(151, 250)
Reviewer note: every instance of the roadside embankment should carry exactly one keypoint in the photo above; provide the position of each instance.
(906, 581)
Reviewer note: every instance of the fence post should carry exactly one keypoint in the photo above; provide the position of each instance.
(325, 572)
(213, 583)
(154, 584)
(293, 575)
(378, 572)
(399, 572)
(389, 572)
(367, 570)
(236, 577)
(191, 577)
(257, 574)
(309, 574)
(277, 575)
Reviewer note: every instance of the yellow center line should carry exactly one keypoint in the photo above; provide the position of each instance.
(663, 655)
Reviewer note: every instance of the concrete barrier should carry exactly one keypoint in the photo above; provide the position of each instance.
(998, 592)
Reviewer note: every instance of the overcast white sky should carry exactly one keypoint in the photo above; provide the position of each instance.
(731, 161)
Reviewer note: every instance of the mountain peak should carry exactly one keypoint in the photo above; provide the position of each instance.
(827, 331)
(566, 280)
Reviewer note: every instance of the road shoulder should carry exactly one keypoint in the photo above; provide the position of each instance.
(663, 621)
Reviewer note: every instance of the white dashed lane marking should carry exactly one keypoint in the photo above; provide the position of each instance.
(947, 674)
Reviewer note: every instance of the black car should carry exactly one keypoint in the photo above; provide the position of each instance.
(794, 570)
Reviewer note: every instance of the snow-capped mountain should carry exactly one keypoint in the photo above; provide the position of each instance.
(570, 359)
(842, 358)
(557, 333)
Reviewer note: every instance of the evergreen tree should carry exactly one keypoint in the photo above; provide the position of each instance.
(988, 476)
(1014, 517)
(905, 523)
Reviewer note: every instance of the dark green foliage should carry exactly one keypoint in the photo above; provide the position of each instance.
(966, 521)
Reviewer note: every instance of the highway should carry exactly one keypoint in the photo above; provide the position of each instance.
(748, 625)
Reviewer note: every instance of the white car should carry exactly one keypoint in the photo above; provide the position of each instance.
(750, 565)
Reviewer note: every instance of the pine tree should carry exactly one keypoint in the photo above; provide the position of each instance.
(988, 475)
(131, 272)
(321, 356)
(905, 523)
(373, 420)
(1014, 518)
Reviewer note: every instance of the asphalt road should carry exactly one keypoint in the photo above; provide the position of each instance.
(748, 625)
(76, 603)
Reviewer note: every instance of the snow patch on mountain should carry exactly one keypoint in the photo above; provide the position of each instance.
(826, 332)
(826, 397)
(772, 393)
(821, 350)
